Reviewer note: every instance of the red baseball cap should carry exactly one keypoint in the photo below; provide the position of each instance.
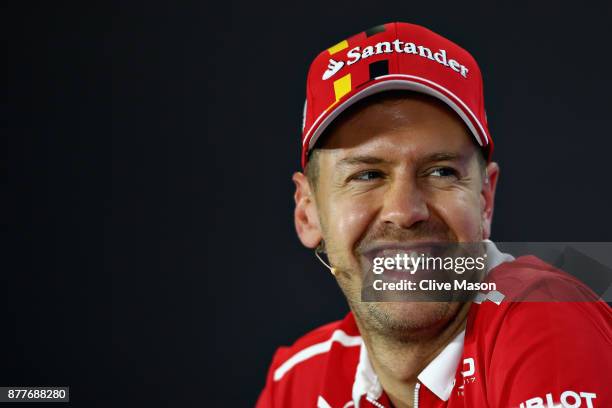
(393, 56)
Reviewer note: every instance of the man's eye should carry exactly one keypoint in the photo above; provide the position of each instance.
(443, 172)
(367, 175)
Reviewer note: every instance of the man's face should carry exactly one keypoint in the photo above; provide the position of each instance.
(397, 171)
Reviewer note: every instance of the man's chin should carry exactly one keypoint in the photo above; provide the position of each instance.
(407, 320)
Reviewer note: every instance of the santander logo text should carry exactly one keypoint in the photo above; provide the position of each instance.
(385, 47)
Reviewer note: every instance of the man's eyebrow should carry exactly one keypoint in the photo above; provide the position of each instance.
(434, 157)
(355, 160)
(443, 156)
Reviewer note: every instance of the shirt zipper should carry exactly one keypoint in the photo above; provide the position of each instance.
(415, 403)
(375, 403)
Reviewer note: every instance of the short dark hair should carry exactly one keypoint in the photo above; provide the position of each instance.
(312, 167)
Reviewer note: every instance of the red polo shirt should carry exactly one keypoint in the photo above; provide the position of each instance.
(511, 354)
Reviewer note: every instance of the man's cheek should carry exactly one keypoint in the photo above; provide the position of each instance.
(461, 215)
(350, 221)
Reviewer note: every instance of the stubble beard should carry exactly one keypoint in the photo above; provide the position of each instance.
(400, 321)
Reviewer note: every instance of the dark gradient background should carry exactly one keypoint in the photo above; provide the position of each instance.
(151, 258)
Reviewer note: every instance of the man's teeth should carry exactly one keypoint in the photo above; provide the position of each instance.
(392, 253)
(408, 259)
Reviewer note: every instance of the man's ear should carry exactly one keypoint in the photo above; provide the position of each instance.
(306, 216)
(488, 197)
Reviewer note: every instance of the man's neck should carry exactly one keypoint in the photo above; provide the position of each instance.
(398, 363)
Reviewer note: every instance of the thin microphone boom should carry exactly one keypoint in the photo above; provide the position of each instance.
(318, 250)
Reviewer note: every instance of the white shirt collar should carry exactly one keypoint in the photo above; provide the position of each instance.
(439, 375)
(366, 381)
(494, 256)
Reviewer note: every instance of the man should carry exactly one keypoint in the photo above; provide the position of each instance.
(397, 155)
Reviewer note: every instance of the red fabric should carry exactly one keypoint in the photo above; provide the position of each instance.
(516, 354)
(462, 85)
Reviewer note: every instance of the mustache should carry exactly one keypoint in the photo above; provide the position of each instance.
(421, 232)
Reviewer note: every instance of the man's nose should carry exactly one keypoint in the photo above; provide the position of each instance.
(404, 204)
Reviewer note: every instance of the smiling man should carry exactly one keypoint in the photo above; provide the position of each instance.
(397, 158)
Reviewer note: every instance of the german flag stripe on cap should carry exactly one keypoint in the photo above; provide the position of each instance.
(379, 68)
(375, 30)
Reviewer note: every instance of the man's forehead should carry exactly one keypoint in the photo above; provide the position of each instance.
(386, 145)
(396, 117)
